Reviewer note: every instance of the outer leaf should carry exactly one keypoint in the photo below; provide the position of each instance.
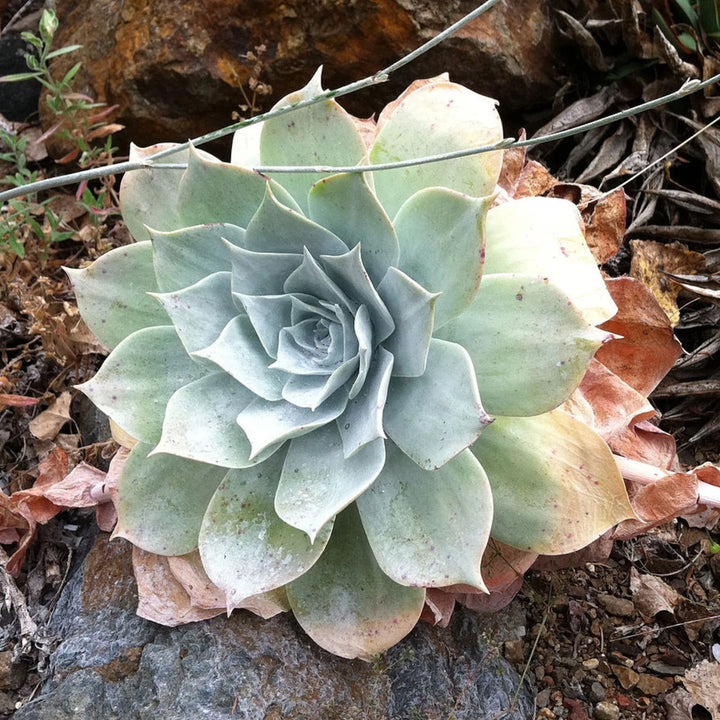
(346, 205)
(544, 236)
(112, 293)
(148, 197)
(138, 378)
(162, 500)
(434, 119)
(245, 548)
(413, 310)
(321, 134)
(555, 484)
(317, 481)
(528, 342)
(434, 417)
(346, 603)
(441, 236)
(200, 423)
(246, 146)
(429, 529)
(212, 191)
(188, 310)
(183, 257)
(279, 229)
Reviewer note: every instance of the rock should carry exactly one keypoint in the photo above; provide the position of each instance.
(112, 664)
(543, 698)
(651, 685)
(178, 68)
(591, 664)
(620, 607)
(606, 711)
(628, 678)
(597, 692)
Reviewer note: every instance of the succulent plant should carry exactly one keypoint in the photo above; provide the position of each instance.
(327, 401)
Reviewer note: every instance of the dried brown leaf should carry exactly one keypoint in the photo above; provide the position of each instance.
(49, 422)
(651, 260)
(647, 349)
(652, 595)
(658, 503)
(161, 597)
(703, 683)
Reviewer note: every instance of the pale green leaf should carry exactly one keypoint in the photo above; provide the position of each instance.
(528, 342)
(317, 481)
(434, 119)
(346, 603)
(347, 206)
(267, 423)
(200, 312)
(544, 236)
(555, 484)
(429, 529)
(261, 273)
(183, 257)
(434, 417)
(138, 378)
(413, 310)
(278, 229)
(162, 500)
(441, 235)
(201, 423)
(239, 352)
(245, 547)
(215, 192)
(320, 134)
(148, 197)
(362, 421)
(112, 293)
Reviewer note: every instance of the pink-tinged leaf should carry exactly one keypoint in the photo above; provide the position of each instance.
(496, 600)
(161, 598)
(595, 552)
(439, 606)
(9, 400)
(346, 603)
(189, 572)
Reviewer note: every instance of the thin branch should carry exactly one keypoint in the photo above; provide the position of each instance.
(688, 88)
(377, 78)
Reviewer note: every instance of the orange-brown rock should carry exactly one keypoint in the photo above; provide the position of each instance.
(176, 67)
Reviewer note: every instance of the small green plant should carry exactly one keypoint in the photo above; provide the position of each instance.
(79, 120)
(692, 27)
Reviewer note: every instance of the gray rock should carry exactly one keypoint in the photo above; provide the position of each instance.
(112, 664)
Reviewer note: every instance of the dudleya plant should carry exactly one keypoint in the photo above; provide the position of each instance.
(327, 401)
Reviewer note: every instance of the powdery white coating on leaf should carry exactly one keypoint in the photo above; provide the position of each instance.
(346, 603)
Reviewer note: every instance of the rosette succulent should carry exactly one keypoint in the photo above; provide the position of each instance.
(328, 403)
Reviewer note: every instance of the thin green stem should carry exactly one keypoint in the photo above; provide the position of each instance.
(688, 88)
(379, 77)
